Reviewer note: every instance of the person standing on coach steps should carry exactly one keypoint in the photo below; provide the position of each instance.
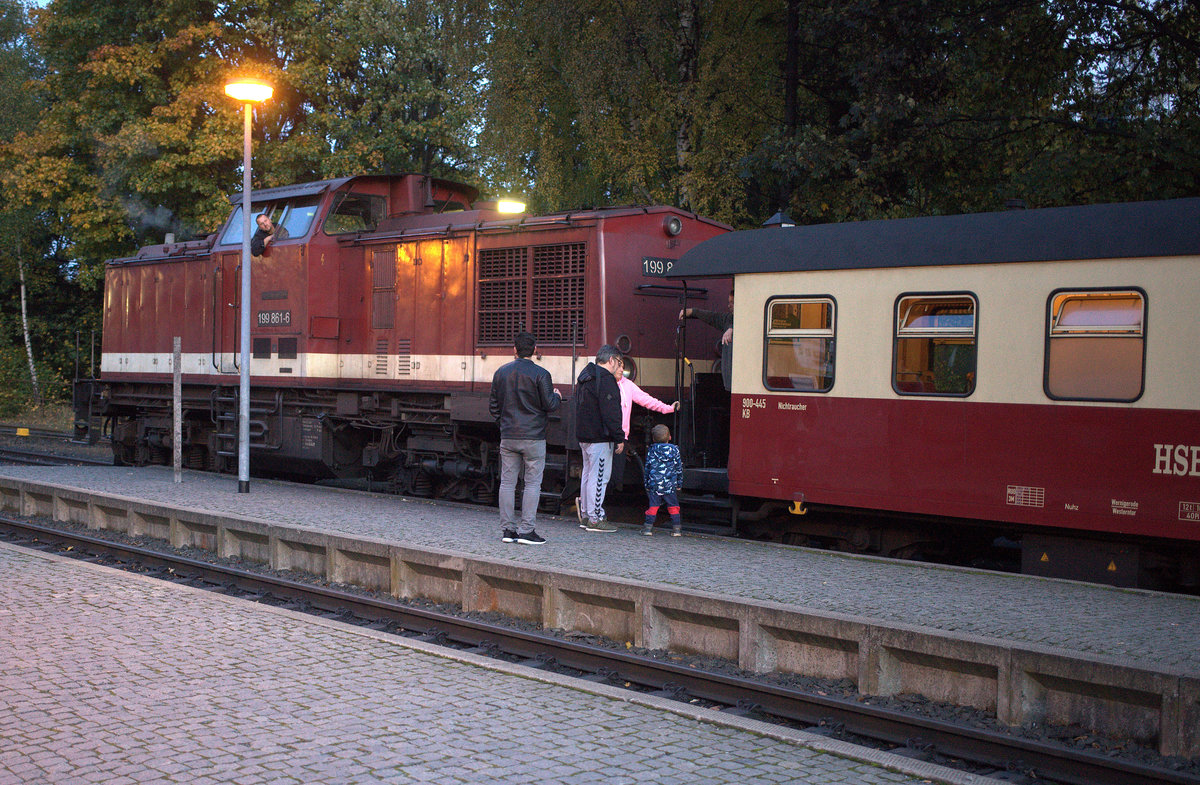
(723, 321)
(522, 396)
(598, 426)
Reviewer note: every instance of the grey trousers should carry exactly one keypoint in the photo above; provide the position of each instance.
(597, 468)
(515, 455)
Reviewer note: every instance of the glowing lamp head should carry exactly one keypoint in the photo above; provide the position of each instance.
(249, 90)
(510, 206)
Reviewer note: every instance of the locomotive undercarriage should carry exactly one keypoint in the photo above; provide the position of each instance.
(427, 444)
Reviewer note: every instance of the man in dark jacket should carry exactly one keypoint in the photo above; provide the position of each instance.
(723, 321)
(522, 395)
(265, 234)
(598, 426)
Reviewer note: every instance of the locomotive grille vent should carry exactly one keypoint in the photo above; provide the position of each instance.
(404, 357)
(383, 290)
(381, 357)
(500, 263)
(539, 289)
(558, 260)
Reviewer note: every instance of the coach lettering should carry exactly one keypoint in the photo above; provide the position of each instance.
(1178, 459)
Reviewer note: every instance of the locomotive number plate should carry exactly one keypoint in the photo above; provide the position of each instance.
(652, 265)
(274, 318)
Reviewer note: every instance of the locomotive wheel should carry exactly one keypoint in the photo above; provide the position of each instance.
(122, 454)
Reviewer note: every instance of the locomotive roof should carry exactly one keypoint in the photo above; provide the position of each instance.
(1105, 231)
(321, 186)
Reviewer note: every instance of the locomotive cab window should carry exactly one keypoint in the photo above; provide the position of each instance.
(798, 351)
(1096, 345)
(298, 216)
(233, 231)
(293, 217)
(934, 346)
(355, 213)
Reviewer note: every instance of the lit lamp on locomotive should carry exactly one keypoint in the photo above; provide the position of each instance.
(249, 92)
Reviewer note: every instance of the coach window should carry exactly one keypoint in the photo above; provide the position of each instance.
(1096, 345)
(355, 213)
(934, 350)
(799, 345)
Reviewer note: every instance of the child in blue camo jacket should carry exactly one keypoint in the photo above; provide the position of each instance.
(664, 478)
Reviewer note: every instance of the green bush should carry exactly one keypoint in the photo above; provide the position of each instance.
(16, 388)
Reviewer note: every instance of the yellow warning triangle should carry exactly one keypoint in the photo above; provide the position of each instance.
(1045, 557)
(1112, 566)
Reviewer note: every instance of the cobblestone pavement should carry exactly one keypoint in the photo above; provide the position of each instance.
(118, 679)
(1152, 630)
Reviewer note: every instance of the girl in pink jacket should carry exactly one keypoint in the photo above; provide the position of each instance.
(631, 394)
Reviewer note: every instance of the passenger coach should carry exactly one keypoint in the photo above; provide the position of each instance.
(1035, 369)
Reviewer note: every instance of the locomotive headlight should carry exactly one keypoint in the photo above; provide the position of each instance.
(510, 206)
(672, 225)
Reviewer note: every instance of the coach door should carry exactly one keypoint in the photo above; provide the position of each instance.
(226, 293)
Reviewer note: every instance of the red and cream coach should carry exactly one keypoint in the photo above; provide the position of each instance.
(1033, 369)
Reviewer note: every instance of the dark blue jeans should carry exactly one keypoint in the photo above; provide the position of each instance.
(658, 500)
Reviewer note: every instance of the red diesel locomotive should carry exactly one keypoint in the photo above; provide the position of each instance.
(376, 327)
(1033, 369)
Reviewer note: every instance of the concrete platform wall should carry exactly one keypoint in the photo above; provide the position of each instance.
(1017, 684)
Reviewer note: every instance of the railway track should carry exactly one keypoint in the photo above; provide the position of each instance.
(12, 450)
(36, 433)
(36, 458)
(966, 747)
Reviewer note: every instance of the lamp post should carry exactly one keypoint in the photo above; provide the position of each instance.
(249, 92)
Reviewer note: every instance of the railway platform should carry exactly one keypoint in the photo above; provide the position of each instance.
(116, 678)
(1025, 649)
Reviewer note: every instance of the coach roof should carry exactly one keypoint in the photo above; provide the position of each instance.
(1105, 231)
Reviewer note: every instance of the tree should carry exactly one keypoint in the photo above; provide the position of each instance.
(18, 67)
(135, 139)
(389, 86)
(596, 102)
(138, 139)
(948, 106)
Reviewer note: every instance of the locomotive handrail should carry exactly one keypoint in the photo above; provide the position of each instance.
(237, 303)
(677, 290)
(216, 291)
(448, 229)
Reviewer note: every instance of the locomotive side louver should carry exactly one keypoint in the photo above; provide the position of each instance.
(540, 289)
(404, 357)
(381, 357)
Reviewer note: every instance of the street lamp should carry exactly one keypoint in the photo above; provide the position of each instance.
(249, 92)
